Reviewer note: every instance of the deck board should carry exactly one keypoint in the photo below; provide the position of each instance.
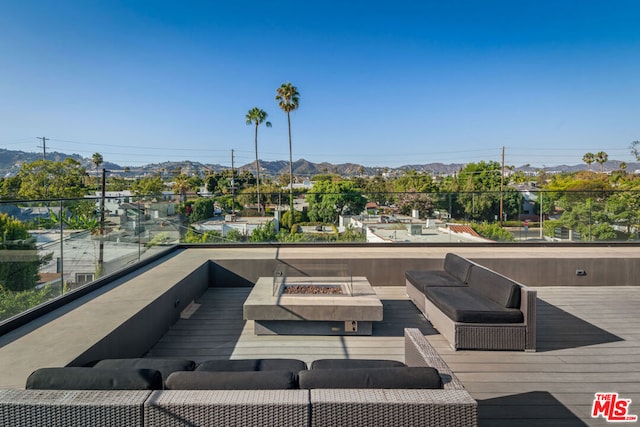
(588, 342)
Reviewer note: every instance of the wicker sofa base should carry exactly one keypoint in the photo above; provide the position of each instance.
(233, 408)
(450, 406)
(71, 407)
(477, 336)
(376, 407)
(481, 336)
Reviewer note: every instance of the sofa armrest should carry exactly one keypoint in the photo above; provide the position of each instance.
(418, 352)
(528, 298)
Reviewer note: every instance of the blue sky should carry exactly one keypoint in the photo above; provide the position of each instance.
(381, 83)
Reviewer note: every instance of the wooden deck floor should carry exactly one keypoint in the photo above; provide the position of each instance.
(588, 342)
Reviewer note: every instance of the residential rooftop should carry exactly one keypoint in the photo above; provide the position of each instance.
(187, 302)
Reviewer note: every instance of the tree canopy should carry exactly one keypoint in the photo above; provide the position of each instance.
(46, 179)
(329, 199)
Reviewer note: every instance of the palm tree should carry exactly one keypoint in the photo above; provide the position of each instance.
(601, 157)
(181, 186)
(635, 149)
(588, 159)
(96, 161)
(257, 116)
(288, 98)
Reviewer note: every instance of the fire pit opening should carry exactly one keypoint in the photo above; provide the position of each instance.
(312, 289)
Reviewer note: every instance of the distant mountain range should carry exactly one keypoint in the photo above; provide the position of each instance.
(10, 162)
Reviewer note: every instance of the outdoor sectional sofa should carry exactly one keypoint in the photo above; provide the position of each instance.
(474, 307)
(259, 392)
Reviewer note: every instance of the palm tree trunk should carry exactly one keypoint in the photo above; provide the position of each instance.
(290, 173)
(257, 167)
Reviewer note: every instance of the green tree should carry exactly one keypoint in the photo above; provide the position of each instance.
(328, 199)
(10, 187)
(148, 186)
(478, 185)
(266, 233)
(19, 260)
(288, 100)
(235, 236)
(12, 303)
(492, 231)
(298, 217)
(379, 190)
(414, 181)
(257, 116)
(202, 209)
(46, 179)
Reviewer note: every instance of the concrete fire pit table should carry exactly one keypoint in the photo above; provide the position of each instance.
(338, 307)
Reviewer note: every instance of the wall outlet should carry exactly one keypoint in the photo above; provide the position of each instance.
(581, 272)
(351, 326)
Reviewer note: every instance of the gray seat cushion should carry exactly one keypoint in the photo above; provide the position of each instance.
(165, 366)
(355, 363)
(497, 287)
(238, 365)
(407, 377)
(248, 380)
(464, 304)
(76, 378)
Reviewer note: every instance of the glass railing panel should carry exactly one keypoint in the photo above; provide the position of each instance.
(329, 277)
(29, 255)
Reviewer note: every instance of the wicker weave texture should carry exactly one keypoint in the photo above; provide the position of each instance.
(490, 337)
(396, 407)
(62, 408)
(209, 408)
(419, 352)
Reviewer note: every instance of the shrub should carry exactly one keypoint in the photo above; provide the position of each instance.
(492, 231)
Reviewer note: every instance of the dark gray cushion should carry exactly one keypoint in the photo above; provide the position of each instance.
(408, 377)
(75, 378)
(165, 366)
(238, 365)
(457, 266)
(422, 279)
(464, 304)
(254, 380)
(355, 364)
(498, 288)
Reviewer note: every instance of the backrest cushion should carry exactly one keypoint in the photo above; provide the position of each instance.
(409, 377)
(242, 365)
(355, 364)
(254, 380)
(76, 378)
(238, 365)
(165, 366)
(499, 289)
(457, 266)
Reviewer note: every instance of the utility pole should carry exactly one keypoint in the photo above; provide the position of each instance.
(43, 146)
(233, 189)
(501, 186)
